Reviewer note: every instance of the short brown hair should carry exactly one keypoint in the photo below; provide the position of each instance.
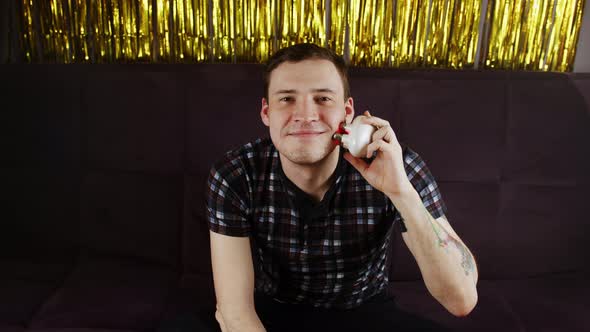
(305, 51)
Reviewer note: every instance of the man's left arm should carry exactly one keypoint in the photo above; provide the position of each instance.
(447, 266)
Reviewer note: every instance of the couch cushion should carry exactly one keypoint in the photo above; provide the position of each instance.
(456, 125)
(108, 293)
(582, 83)
(492, 312)
(61, 329)
(11, 328)
(539, 230)
(194, 293)
(40, 213)
(546, 303)
(135, 122)
(223, 106)
(132, 214)
(377, 95)
(547, 133)
(44, 126)
(25, 285)
(559, 302)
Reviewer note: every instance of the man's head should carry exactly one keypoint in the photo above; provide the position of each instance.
(307, 97)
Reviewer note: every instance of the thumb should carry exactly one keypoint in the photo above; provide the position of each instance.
(357, 163)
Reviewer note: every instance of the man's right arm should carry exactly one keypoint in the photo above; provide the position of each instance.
(233, 276)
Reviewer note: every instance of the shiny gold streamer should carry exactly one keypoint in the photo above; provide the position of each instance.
(192, 29)
(338, 23)
(29, 34)
(371, 31)
(49, 31)
(564, 36)
(517, 35)
(409, 33)
(162, 35)
(255, 30)
(301, 21)
(533, 35)
(223, 30)
(452, 33)
(119, 31)
(144, 30)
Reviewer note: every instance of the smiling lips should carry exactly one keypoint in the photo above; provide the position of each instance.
(306, 133)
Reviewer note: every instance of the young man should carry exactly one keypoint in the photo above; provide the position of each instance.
(300, 229)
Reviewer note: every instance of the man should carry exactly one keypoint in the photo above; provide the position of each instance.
(300, 229)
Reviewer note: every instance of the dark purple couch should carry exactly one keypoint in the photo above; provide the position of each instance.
(103, 174)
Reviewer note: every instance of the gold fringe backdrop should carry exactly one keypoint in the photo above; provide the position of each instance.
(301, 22)
(514, 34)
(533, 34)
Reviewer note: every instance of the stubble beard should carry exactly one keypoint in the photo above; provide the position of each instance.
(308, 153)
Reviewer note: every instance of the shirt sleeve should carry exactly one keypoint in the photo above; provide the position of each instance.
(424, 183)
(227, 208)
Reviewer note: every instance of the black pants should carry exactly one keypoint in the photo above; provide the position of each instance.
(378, 314)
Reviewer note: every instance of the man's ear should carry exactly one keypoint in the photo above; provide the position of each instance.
(349, 109)
(264, 113)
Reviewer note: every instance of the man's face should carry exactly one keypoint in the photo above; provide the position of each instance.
(304, 109)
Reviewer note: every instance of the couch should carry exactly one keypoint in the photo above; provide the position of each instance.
(103, 173)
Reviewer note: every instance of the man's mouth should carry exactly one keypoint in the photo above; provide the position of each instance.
(304, 133)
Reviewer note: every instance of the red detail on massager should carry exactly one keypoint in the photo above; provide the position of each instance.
(341, 131)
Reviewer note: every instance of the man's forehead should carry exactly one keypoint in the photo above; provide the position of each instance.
(309, 75)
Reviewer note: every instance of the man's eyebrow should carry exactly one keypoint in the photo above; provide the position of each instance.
(313, 90)
(285, 91)
(324, 90)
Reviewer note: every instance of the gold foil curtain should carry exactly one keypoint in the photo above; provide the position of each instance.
(534, 34)
(409, 33)
(518, 35)
(244, 30)
(419, 33)
(301, 22)
(452, 33)
(255, 30)
(371, 27)
(223, 27)
(338, 23)
(191, 24)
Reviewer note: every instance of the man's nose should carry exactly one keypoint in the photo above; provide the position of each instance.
(306, 110)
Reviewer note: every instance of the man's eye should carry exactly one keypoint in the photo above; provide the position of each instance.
(324, 99)
(286, 99)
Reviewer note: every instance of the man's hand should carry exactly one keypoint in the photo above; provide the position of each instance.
(386, 172)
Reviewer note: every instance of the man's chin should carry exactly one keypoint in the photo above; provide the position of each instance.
(307, 157)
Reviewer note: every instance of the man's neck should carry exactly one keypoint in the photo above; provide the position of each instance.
(314, 179)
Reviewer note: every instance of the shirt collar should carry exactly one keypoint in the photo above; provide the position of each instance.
(303, 202)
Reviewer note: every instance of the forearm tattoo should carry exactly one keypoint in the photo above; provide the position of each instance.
(444, 240)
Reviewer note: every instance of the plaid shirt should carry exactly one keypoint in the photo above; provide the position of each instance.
(328, 254)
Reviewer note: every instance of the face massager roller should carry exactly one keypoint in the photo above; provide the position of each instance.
(355, 137)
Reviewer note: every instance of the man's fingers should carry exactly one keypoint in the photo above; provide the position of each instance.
(375, 121)
(384, 133)
(378, 145)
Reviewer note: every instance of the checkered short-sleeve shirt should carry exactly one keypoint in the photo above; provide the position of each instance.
(328, 254)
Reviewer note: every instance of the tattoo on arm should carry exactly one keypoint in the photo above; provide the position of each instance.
(444, 240)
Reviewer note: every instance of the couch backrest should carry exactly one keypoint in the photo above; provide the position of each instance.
(113, 159)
